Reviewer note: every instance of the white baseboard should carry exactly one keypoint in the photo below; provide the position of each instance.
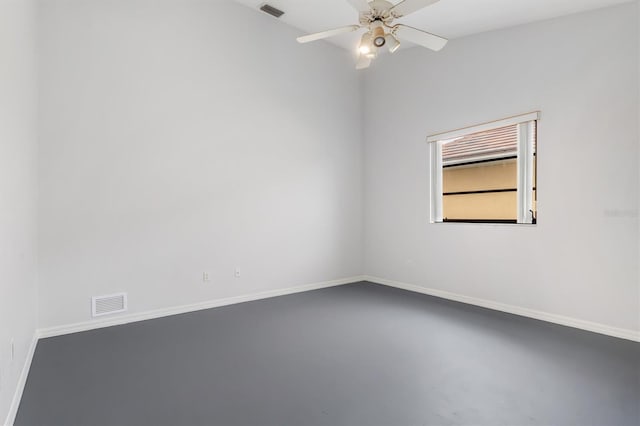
(22, 381)
(525, 312)
(159, 313)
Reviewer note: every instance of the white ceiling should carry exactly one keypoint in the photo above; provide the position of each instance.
(448, 18)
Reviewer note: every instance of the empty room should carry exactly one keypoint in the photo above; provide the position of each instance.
(319, 212)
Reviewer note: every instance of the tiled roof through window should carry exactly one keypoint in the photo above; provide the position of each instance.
(496, 143)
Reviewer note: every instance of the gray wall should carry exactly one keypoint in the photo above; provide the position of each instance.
(581, 261)
(183, 136)
(18, 190)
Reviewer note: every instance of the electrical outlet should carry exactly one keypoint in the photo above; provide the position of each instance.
(237, 273)
(205, 277)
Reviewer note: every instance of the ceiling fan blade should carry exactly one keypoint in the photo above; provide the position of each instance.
(363, 62)
(360, 5)
(409, 6)
(423, 38)
(327, 34)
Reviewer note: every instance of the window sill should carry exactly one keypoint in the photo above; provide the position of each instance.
(497, 224)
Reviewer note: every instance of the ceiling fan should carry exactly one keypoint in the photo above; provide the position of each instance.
(377, 17)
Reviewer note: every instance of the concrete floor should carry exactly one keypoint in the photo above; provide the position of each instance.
(360, 354)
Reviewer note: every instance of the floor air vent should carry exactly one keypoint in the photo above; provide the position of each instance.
(267, 8)
(111, 304)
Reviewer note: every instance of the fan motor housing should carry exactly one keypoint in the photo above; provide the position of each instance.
(379, 12)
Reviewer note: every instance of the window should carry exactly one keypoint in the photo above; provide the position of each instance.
(486, 173)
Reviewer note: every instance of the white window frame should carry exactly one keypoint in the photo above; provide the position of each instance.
(526, 132)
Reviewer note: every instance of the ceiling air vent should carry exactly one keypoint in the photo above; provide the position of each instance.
(111, 304)
(267, 8)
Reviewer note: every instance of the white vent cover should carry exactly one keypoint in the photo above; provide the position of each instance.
(111, 304)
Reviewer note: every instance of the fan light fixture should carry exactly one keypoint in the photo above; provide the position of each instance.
(379, 39)
(392, 42)
(365, 47)
(368, 47)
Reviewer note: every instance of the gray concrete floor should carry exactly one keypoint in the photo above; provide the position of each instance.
(360, 354)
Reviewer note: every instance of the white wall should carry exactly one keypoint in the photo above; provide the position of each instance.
(170, 148)
(581, 261)
(18, 190)
(182, 136)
